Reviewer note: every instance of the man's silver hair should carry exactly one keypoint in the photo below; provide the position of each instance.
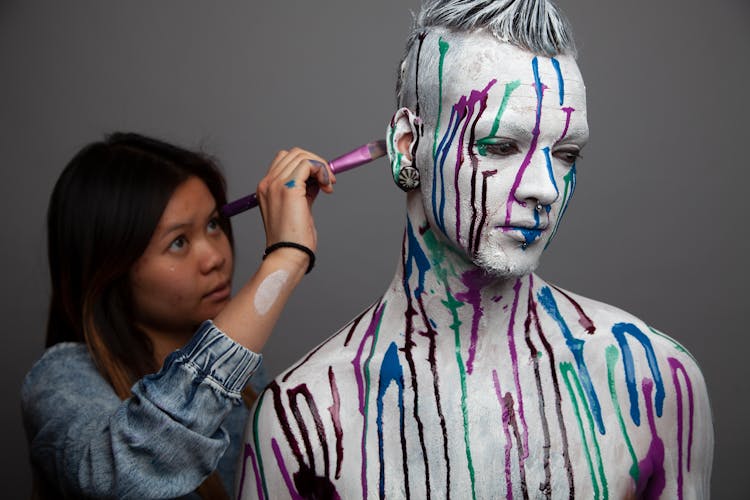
(535, 25)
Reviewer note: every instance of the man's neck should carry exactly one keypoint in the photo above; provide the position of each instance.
(440, 283)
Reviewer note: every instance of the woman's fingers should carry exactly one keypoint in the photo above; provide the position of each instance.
(287, 192)
(300, 167)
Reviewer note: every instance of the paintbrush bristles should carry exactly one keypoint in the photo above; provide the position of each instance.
(377, 149)
(363, 154)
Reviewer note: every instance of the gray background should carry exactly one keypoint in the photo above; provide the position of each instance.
(656, 227)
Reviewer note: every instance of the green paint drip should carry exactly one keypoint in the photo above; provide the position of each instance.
(567, 369)
(612, 357)
(443, 46)
(509, 88)
(396, 166)
(396, 162)
(672, 341)
(437, 256)
(257, 445)
(367, 369)
(568, 178)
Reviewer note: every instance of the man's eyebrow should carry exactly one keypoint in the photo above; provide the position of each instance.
(512, 129)
(575, 134)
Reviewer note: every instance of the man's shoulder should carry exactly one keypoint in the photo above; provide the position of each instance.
(612, 323)
(315, 370)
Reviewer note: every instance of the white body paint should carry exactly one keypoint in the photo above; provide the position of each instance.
(268, 291)
(471, 377)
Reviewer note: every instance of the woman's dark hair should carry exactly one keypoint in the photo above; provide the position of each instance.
(103, 211)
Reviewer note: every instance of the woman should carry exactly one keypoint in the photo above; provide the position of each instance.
(139, 393)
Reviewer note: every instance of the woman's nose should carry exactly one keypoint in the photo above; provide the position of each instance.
(212, 256)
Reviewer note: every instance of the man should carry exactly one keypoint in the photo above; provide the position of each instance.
(471, 377)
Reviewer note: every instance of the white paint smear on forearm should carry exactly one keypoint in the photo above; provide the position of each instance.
(269, 289)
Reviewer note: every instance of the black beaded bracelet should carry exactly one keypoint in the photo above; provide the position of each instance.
(289, 244)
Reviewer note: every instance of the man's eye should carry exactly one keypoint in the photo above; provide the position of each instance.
(497, 146)
(569, 156)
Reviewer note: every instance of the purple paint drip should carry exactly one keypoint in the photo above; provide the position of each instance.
(568, 112)
(506, 420)
(675, 365)
(483, 220)
(464, 109)
(583, 318)
(284, 473)
(514, 359)
(357, 361)
(377, 316)
(474, 283)
(539, 87)
(652, 478)
(258, 480)
(335, 411)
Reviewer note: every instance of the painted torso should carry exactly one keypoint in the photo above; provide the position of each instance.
(452, 386)
(456, 384)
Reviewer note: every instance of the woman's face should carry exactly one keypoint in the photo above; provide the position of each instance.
(184, 276)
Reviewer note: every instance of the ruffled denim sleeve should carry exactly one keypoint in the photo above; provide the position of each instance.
(160, 443)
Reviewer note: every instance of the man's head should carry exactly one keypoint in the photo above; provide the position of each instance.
(493, 118)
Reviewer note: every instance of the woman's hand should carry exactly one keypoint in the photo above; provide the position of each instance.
(286, 195)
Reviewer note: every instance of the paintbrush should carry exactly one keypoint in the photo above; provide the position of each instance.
(363, 154)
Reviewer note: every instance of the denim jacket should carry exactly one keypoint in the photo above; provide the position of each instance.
(180, 424)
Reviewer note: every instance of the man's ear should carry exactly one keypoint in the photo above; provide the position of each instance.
(402, 135)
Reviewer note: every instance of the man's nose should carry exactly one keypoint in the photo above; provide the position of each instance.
(537, 183)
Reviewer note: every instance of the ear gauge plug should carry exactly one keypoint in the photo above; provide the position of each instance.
(405, 173)
(408, 178)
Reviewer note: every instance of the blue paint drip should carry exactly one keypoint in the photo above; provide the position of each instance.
(289, 184)
(560, 81)
(549, 170)
(565, 202)
(576, 347)
(573, 174)
(442, 152)
(530, 235)
(416, 255)
(619, 330)
(390, 371)
(539, 95)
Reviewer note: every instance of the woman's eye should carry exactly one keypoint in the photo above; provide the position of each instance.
(178, 244)
(213, 225)
(569, 156)
(497, 146)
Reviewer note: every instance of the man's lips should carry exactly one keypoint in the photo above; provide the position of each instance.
(522, 232)
(521, 227)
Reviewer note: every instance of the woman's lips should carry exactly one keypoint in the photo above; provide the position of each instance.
(221, 292)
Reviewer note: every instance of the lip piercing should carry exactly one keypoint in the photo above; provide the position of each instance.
(539, 207)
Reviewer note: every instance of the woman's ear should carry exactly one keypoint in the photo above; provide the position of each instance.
(401, 141)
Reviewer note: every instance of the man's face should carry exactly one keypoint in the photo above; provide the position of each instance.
(497, 156)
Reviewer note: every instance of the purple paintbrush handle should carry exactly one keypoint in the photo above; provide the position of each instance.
(360, 156)
(237, 206)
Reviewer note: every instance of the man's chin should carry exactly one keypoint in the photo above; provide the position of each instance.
(499, 265)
